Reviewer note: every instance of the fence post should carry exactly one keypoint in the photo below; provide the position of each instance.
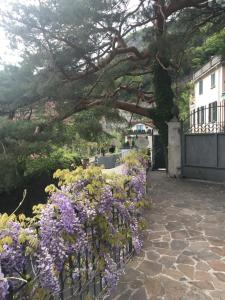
(174, 148)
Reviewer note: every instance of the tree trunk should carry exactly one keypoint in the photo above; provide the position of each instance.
(162, 82)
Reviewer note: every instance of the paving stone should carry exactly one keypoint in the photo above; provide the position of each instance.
(220, 276)
(173, 290)
(130, 274)
(202, 266)
(161, 245)
(118, 290)
(198, 246)
(168, 252)
(166, 239)
(175, 274)
(218, 284)
(207, 255)
(179, 234)
(196, 239)
(125, 295)
(203, 285)
(217, 295)
(154, 288)
(157, 227)
(217, 265)
(220, 235)
(150, 268)
(152, 255)
(192, 295)
(141, 253)
(216, 242)
(178, 245)
(186, 211)
(218, 251)
(135, 262)
(202, 275)
(136, 284)
(188, 253)
(148, 244)
(139, 294)
(186, 270)
(194, 233)
(183, 259)
(156, 235)
(171, 226)
(185, 225)
(167, 261)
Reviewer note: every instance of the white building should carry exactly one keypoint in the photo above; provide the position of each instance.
(142, 128)
(208, 101)
(141, 135)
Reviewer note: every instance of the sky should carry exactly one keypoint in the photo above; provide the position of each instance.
(9, 56)
(6, 54)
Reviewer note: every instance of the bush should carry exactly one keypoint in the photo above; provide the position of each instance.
(15, 173)
(59, 158)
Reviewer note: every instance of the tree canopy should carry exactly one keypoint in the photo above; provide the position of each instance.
(109, 54)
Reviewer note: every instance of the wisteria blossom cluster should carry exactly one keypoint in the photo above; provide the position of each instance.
(80, 234)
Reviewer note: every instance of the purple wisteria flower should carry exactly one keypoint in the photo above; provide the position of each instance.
(4, 286)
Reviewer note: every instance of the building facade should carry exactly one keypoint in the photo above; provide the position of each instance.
(207, 105)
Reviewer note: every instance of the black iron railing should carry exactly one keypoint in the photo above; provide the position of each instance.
(93, 286)
(206, 119)
(131, 132)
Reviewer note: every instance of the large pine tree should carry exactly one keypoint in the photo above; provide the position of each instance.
(82, 54)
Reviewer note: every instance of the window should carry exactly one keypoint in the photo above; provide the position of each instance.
(213, 80)
(200, 87)
(213, 111)
(140, 128)
(201, 115)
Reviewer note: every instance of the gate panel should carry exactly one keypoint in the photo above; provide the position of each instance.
(203, 144)
(201, 150)
(221, 151)
(158, 154)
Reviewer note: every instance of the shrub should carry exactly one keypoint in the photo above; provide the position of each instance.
(58, 158)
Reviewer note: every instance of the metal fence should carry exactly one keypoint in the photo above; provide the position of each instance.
(89, 283)
(94, 287)
(206, 119)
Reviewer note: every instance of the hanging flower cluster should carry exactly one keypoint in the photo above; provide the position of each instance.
(82, 232)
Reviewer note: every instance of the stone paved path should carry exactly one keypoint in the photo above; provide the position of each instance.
(184, 250)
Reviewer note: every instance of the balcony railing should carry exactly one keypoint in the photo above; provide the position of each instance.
(137, 132)
(213, 62)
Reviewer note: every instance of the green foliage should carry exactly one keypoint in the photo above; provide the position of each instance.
(58, 158)
(184, 101)
(213, 45)
(23, 154)
(88, 126)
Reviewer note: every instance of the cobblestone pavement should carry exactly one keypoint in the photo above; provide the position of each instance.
(184, 245)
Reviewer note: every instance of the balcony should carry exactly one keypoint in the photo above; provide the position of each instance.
(138, 132)
(207, 67)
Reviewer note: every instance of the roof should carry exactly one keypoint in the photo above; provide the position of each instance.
(133, 123)
(214, 63)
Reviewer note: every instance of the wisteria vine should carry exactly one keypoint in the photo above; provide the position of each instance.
(82, 231)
